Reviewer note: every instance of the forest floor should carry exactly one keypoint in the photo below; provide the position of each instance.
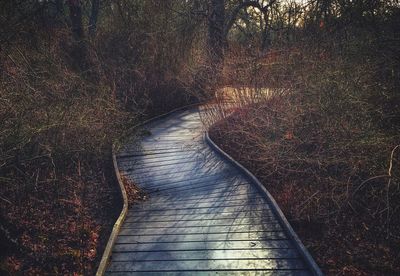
(61, 229)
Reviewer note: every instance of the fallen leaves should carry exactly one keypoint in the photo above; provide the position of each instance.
(132, 191)
(62, 229)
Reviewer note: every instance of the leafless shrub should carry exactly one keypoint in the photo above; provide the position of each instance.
(325, 147)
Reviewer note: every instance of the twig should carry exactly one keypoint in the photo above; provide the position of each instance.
(369, 179)
(303, 205)
(6, 200)
(388, 187)
(391, 160)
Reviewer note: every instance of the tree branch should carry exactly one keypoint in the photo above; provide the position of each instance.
(250, 3)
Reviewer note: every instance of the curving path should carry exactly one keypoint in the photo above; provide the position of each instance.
(203, 216)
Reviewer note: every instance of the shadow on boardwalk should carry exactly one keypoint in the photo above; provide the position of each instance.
(202, 214)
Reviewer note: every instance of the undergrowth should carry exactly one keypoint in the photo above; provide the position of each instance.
(63, 103)
(328, 147)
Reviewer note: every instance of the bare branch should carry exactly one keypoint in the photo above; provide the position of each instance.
(255, 4)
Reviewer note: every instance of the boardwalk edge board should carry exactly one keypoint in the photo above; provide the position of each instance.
(274, 206)
(117, 225)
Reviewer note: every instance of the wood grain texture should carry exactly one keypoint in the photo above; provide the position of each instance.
(202, 217)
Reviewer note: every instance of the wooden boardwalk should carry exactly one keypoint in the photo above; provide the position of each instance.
(203, 215)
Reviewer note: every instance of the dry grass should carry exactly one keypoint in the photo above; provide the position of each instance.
(326, 148)
(58, 121)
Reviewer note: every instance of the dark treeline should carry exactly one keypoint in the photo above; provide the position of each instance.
(77, 75)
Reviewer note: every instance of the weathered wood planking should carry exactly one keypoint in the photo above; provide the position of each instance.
(203, 216)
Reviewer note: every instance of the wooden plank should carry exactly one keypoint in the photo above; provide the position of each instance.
(195, 138)
(133, 216)
(126, 230)
(223, 206)
(189, 135)
(149, 166)
(218, 230)
(148, 148)
(201, 191)
(220, 179)
(202, 245)
(203, 216)
(224, 254)
(189, 198)
(197, 212)
(168, 145)
(176, 121)
(210, 210)
(143, 161)
(148, 205)
(200, 187)
(196, 163)
(202, 223)
(161, 158)
(167, 182)
(205, 185)
(197, 202)
(203, 237)
(212, 189)
(212, 177)
(173, 131)
(205, 197)
(175, 166)
(172, 128)
(181, 170)
(153, 154)
(155, 148)
(218, 272)
(207, 265)
(153, 160)
(169, 140)
(198, 230)
(183, 177)
(183, 137)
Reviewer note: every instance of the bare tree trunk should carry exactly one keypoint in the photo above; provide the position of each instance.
(216, 23)
(59, 7)
(93, 17)
(263, 8)
(266, 39)
(75, 14)
(79, 49)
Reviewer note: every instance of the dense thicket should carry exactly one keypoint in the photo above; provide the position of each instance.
(74, 77)
(326, 143)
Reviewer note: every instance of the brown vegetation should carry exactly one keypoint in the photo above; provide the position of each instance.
(76, 76)
(64, 100)
(326, 143)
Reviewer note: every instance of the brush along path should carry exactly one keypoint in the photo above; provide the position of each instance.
(203, 214)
